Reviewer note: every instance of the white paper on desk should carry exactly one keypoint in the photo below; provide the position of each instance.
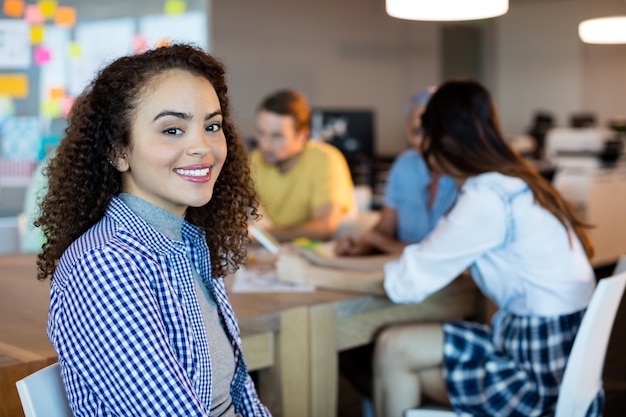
(253, 280)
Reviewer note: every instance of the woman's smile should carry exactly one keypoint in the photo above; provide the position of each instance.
(200, 173)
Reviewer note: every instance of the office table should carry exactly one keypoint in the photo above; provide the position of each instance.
(350, 323)
(272, 328)
(291, 339)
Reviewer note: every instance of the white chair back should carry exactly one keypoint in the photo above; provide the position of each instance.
(620, 266)
(43, 394)
(583, 374)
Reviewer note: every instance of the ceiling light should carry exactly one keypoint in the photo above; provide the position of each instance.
(604, 30)
(446, 10)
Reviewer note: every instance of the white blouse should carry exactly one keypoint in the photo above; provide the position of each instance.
(518, 253)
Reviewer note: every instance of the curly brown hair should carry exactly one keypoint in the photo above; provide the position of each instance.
(82, 180)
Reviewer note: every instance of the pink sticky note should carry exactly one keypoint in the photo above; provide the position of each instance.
(66, 106)
(42, 55)
(140, 44)
(32, 14)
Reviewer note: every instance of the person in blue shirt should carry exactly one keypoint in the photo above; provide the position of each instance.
(414, 199)
(146, 212)
(526, 250)
(414, 202)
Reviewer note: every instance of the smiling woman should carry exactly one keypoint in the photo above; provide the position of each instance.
(143, 217)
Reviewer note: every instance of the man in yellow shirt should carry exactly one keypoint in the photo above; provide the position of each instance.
(305, 186)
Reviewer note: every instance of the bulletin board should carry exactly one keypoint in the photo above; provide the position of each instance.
(48, 56)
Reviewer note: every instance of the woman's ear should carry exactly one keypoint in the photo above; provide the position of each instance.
(120, 161)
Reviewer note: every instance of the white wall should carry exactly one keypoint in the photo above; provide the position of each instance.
(350, 53)
(541, 64)
(339, 53)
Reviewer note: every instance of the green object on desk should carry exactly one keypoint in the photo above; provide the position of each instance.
(306, 243)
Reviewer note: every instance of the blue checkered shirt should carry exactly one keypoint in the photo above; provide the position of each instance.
(126, 324)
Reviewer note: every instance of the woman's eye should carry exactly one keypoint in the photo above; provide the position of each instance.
(173, 131)
(214, 127)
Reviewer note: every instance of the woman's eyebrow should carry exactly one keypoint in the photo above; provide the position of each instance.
(185, 116)
(180, 115)
(212, 115)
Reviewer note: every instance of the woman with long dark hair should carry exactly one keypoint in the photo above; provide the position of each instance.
(526, 250)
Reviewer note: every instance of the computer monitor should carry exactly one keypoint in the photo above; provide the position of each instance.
(352, 132)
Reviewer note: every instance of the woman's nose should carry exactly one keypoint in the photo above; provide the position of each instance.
(200, 145)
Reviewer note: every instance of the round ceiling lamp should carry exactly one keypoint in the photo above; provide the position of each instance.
(603, 30)
(446, 10)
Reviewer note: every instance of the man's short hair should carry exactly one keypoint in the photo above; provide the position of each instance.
(289, 103)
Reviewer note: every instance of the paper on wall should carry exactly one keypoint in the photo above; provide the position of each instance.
(15, 50)
(96, 53)
(186, 27)
(21, 138)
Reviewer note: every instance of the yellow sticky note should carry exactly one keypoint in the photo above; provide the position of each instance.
(13, 8)
(48, 8)
(14, 85)
(36, 34)
(51, 108)
(175, 7)
(65, 16)
(75, 50)
(57, 93)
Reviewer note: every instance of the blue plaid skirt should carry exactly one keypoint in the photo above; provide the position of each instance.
(514, 370)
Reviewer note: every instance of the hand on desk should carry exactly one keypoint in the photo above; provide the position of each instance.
(368, 243)
(293, 267)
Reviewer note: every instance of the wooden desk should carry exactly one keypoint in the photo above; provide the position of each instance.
(276, 338)
(354, 322)
(274, 330)
(292, 339)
